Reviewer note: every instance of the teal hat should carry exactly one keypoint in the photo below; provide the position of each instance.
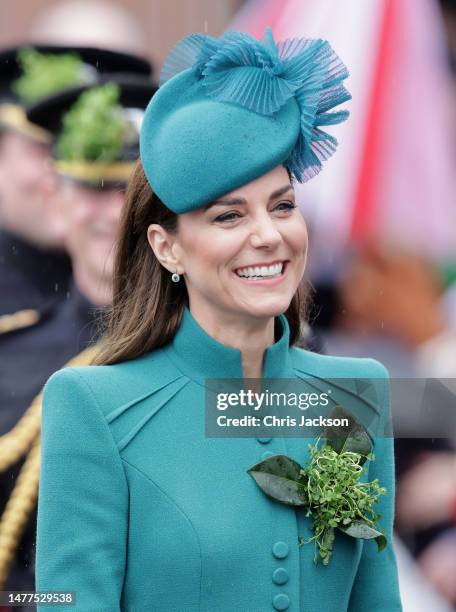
(230, 109)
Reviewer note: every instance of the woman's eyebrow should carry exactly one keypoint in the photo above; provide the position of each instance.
(241, 201)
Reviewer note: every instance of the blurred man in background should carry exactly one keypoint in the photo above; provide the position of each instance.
(32, 270)
(92, 166)
(48, 320)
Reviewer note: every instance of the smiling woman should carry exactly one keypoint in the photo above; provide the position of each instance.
(208, 284)
(242, 257)
(263, 227)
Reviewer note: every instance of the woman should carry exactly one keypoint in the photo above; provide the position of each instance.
(139, 509)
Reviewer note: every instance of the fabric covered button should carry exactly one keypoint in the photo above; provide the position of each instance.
(280, 576)
(281, 601)
(264, 440)
(280, 550)
(266, 454)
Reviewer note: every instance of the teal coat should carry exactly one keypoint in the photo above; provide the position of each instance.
(140, 511)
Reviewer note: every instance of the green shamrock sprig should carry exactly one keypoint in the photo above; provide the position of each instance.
(46, 73)
(94, 127)
(328, 486)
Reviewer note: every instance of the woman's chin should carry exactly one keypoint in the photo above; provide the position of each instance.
(266, 308)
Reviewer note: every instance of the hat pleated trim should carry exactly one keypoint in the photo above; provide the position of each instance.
(262, 76)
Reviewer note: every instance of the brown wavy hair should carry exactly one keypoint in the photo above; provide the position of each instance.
(147, 307)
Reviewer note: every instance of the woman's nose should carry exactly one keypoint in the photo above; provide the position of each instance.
(264, 233)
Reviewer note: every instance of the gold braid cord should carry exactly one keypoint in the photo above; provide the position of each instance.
(15, 443)
(18, 320)
(19, 507)
(23, 439)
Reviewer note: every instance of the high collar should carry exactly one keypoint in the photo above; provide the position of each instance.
(200, 356)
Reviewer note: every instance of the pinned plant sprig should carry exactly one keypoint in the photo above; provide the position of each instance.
(328, 486)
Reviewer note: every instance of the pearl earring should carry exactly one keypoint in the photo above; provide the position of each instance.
(175, 277)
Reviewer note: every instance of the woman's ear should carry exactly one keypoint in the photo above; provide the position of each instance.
(162, 244)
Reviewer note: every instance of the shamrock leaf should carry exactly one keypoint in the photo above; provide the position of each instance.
(361, 529)
(353, 438)
(282, 479)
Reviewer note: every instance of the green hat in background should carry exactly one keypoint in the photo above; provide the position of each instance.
(30, 73)
(230, 109)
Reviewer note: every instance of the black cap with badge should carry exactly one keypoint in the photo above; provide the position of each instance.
(31, 73)
(95, 128)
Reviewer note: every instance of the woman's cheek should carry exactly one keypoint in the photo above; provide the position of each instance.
(301, 240)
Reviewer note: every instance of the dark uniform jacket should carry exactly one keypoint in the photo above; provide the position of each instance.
(28, 356)
(30, 278)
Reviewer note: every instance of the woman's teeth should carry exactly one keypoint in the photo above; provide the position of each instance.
(261, 271)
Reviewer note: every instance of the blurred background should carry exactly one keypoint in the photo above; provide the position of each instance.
(381, 217)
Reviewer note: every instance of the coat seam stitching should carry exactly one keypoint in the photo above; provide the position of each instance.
(181, 511)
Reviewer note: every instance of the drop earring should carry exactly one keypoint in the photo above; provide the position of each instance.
(175, 277)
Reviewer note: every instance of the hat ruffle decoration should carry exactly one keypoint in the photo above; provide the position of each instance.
(262, 76)
(233, 108)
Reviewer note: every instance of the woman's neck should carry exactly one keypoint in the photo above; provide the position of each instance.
(251, 336)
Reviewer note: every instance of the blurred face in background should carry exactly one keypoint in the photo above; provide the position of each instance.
(26, 178)
(91, 218)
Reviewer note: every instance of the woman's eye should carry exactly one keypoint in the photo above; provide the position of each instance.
(285, 206)
(231, 216)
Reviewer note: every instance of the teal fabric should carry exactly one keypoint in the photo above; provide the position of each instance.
(140, 511)
(230, 109)
(194, 149)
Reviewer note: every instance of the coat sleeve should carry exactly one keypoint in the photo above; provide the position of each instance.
(83, 499)
(376, 585)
